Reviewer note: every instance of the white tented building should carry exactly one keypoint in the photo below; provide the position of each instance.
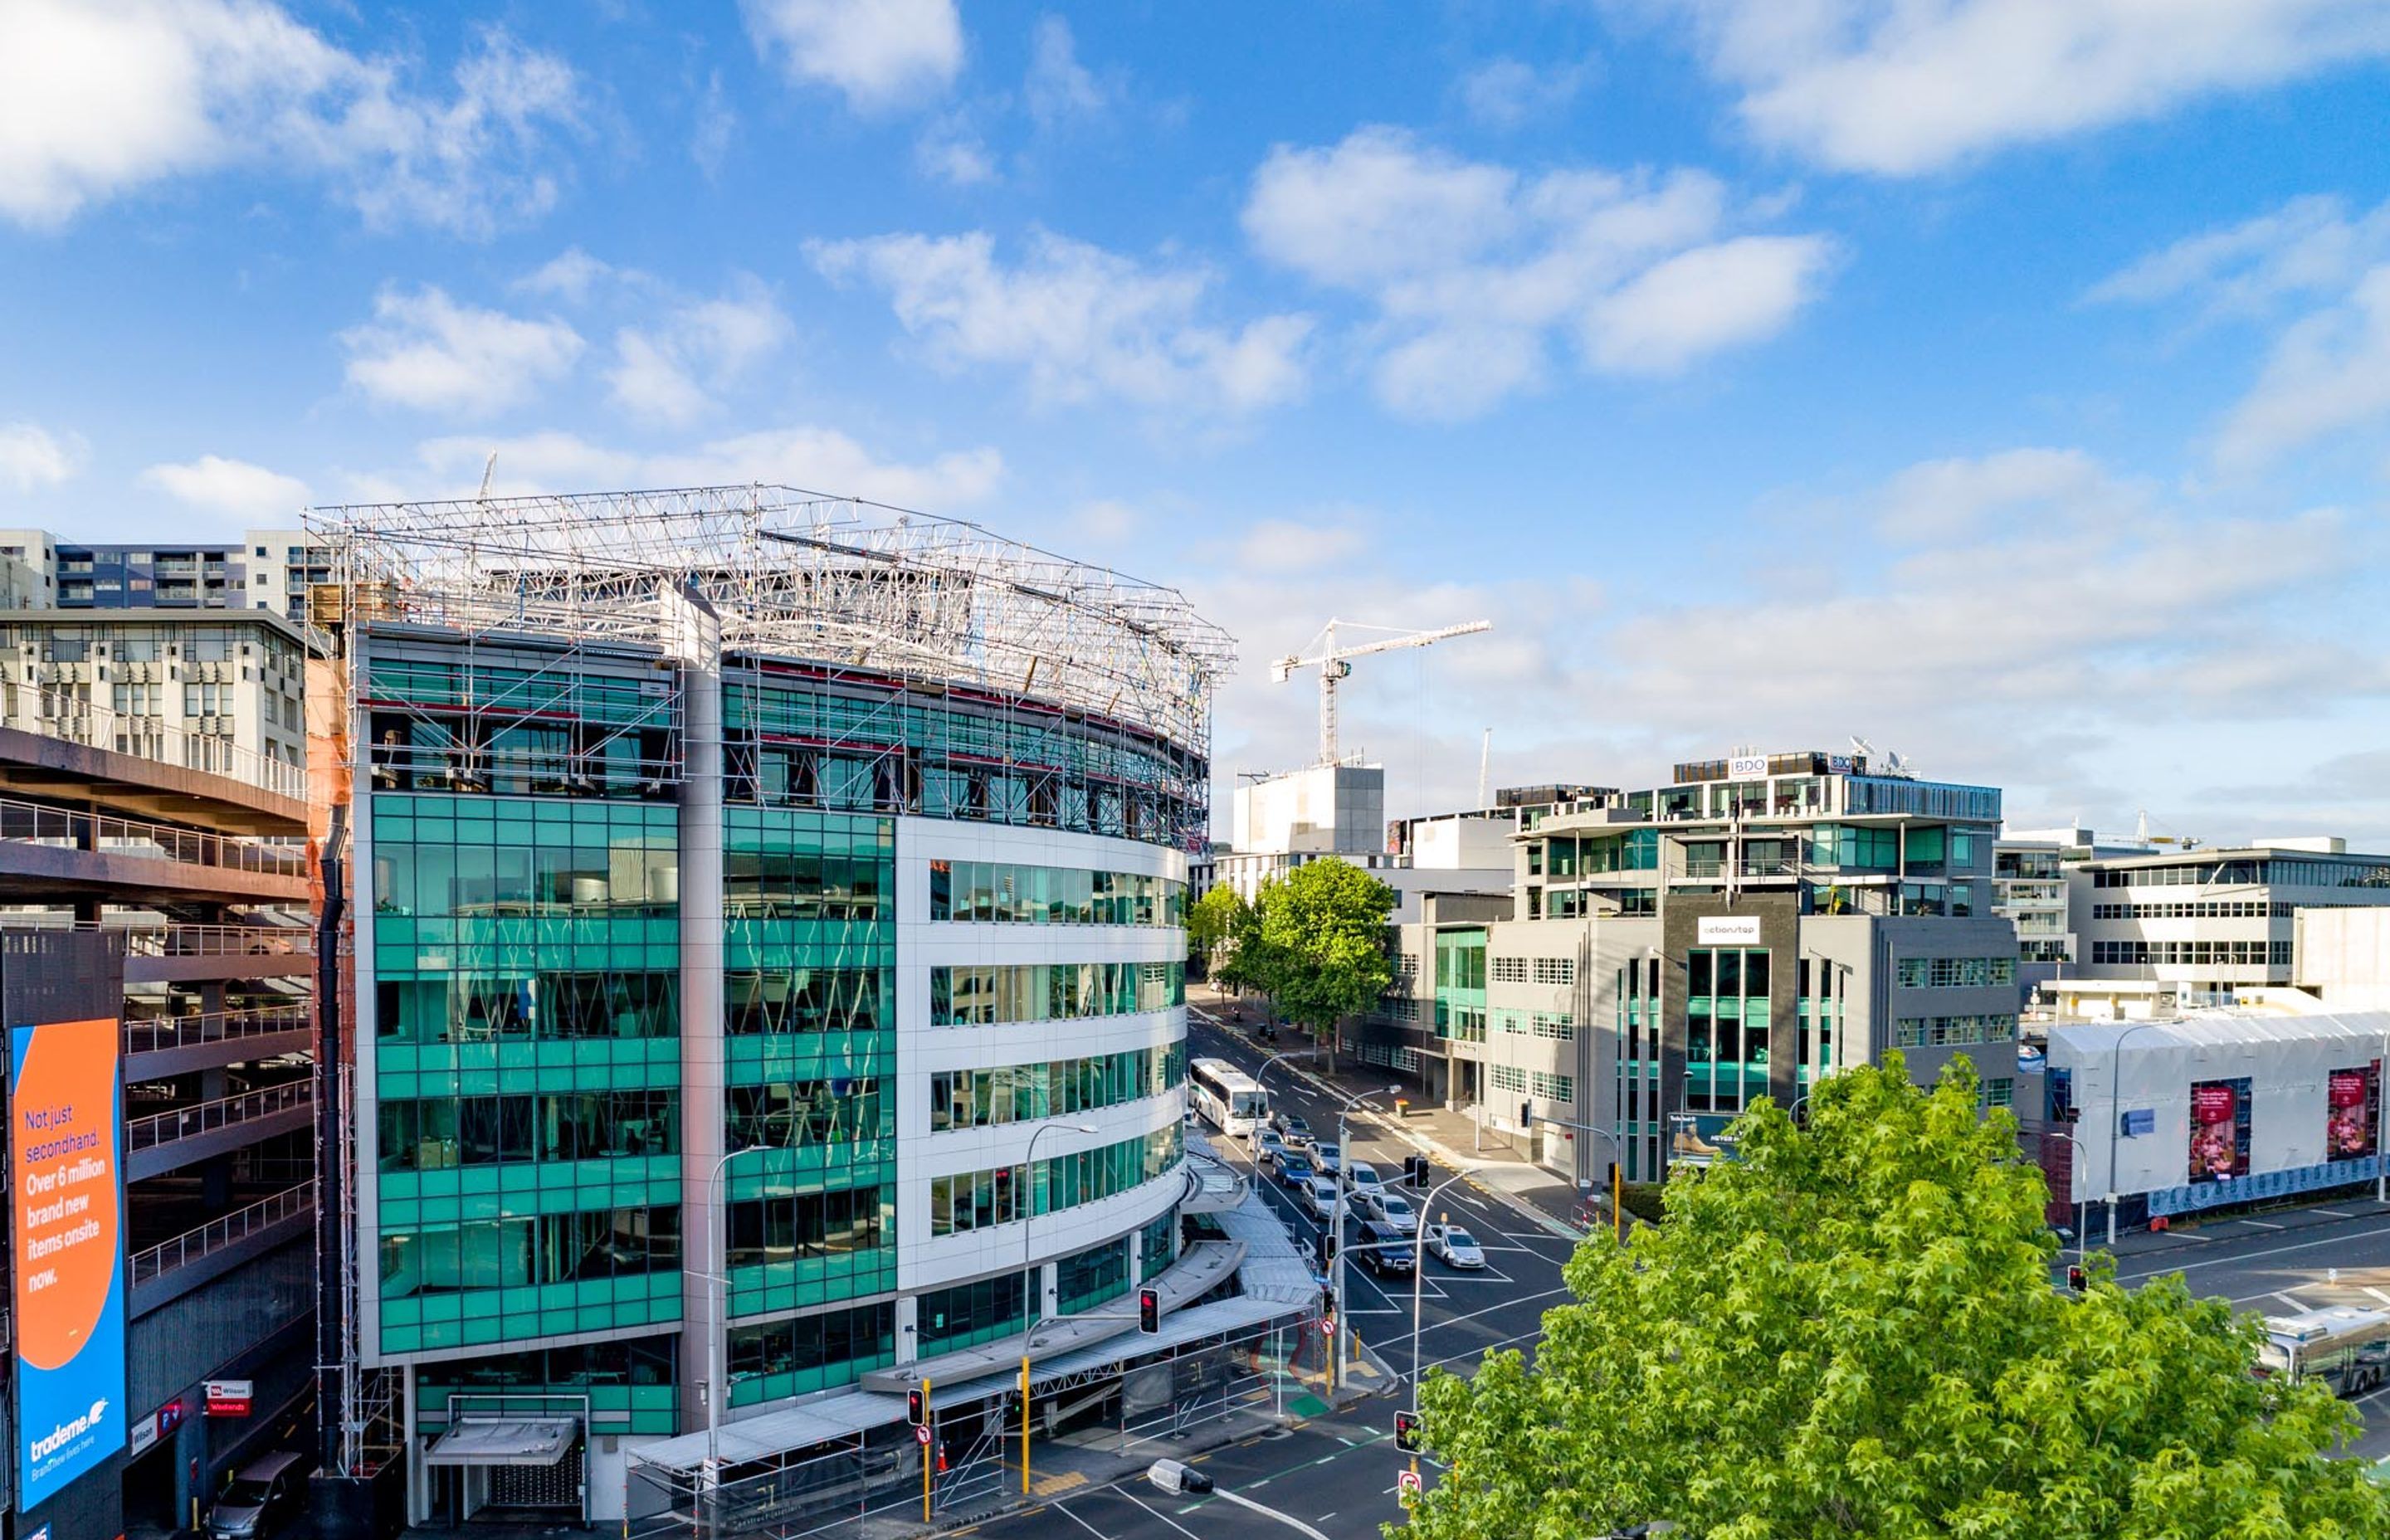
(2213, 1109)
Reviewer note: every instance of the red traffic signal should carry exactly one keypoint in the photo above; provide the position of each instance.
(2077, 1279)
(917, 1406)
(1407, 1431)
(1148, 1311)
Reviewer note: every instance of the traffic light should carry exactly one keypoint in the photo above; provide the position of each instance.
(1326, 1301)
(1148, 1311)
(2075, 1278)
(917, 1405)
(1406, 1433)
(1327, 1244)
(1416, 1168)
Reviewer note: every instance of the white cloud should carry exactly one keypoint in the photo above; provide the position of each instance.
(1509, 93)
(1060, 88)
(1900, 88)
(954, 155)
(568, 276)
(716, 121)
(1943, 498)
(821, 459)
(2329, 372)
(32, 456)
(425, 351)
(98, 99)
(1282, 546)
(880, 54)
(1473, 268)
(657, 369)
(1084, 324)
(233, 487)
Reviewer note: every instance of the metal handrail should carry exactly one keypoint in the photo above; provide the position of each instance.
(72, 719)
(32, 823)
(174, 940)
(206, 1117)
(214, 1026)
(215, 1236)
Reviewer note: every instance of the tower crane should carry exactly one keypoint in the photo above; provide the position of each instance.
(1334, 664)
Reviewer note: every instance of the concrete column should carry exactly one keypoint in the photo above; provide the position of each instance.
(696, 634)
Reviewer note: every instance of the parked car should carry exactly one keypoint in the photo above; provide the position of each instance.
(1382, 1251)
(1293, 1129)
(1389, 1209)
(1361, 1176)
(262, 1499)
(1454, 1247)
(1294, 1172)
(1329, 1159)
(1318, 1199)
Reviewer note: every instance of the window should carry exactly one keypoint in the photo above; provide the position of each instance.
(1942, 1032)
(1044, 992)
(978, 1199)
(1508, 1077)
(1509, 971)
(1555, 970)
(999, 891)
(2000, 1092)
(1562, 1088)
(1956, 972)
(1017, 1093)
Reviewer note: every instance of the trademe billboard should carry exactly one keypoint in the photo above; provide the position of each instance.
(65, 1129)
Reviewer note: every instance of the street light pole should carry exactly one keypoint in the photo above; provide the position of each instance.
(1617, 1162)
(1336, 1233)
(1028, 1317)
(717, 1331)
(1419, 1265)
(2074, 1190)
(2116, 1113)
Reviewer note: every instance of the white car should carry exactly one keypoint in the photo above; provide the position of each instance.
(1318, 1199)
(1361, 1176)
(1454, 1247)
(1390, 1210)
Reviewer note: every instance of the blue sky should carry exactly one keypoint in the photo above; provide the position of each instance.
(2007, 381)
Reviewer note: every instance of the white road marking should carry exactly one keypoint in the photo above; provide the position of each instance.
(2377, 1293)
(1159, 1514)
(1081, 1522)
(2291, 1300)
(2158, 1267)
(1456, 1320)
(2332, 1214)
(2261, 1224)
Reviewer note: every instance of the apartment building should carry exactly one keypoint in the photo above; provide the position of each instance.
(267, 570)
(768, 1000)
(155, 968)
(1671, 954)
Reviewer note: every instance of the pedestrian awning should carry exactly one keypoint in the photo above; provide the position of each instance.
(505, 1440)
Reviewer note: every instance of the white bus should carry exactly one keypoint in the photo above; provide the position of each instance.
(1232, 1100)
(2346, 1348)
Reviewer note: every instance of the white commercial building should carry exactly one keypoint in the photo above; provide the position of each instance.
(1282, 822)
(2213, 1109)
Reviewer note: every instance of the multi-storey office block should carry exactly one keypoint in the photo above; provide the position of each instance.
(742, 889)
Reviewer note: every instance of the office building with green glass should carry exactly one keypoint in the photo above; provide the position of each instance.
(742, 879)
(1667, 956)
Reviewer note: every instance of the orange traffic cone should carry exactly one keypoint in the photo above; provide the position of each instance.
(941, 1457)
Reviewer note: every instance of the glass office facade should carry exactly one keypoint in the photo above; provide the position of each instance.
(525, 974)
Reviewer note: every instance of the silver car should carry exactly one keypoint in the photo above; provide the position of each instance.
(1318, 1199)
(1454, 1247)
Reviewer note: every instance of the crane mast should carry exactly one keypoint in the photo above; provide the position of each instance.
(1334, 664)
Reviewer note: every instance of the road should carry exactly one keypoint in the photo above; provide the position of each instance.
(1336, 1472)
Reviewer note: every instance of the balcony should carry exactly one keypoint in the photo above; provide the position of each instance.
(167, 1141)
(177, 1266)
(48, 851)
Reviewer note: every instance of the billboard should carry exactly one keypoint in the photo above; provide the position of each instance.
(2352, 1111)
(2219, 1130)
(66, 1122)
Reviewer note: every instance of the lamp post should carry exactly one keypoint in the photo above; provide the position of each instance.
(1419, 1265)
(2117, 1112)
(1028, 1213)
(1617, 1162)
(717, 1329)
(1336, 1231)
(2074, 1190)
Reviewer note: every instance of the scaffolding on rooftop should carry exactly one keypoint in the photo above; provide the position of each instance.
(791, 573)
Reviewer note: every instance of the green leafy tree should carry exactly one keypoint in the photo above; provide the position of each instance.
(1323, 942)
(1851, 1331)
(1213, 922)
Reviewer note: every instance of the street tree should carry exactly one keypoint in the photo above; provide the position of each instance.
(1851, 1331)
(1213, 922)
(1322, 936)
